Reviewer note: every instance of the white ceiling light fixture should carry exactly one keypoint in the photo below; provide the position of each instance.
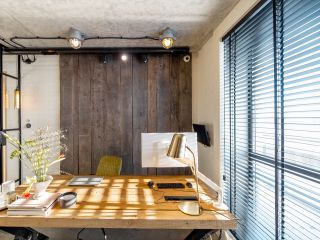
(167, 38)
(75, 38)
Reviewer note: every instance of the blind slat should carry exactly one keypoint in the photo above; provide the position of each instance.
(271, 121)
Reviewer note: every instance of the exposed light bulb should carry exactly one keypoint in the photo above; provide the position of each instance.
(75, 38)
(75, 43)
(16, 98)
(124, 57)
(167, 38)
(167, 43)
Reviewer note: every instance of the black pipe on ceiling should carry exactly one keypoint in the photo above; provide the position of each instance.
(56, 51)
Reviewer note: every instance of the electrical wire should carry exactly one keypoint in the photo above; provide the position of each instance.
(14, 39)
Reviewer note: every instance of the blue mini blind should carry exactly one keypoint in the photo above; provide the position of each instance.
(271, 121)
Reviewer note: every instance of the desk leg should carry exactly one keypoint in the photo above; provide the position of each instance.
(21, 233)
(197, 234)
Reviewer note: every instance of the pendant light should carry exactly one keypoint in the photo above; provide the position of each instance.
(17, 98)
(167, 38)
(75, 38)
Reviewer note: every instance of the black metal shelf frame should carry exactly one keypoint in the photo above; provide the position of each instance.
(18, 78)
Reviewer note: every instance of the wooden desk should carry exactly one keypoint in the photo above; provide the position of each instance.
(124, 202)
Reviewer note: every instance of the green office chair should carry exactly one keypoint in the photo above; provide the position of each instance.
(108, 166)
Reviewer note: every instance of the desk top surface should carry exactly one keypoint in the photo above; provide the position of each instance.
(126, 202)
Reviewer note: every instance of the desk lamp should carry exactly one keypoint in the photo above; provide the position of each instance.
(176, 151)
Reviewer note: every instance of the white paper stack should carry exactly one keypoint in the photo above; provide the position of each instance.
(33, 207)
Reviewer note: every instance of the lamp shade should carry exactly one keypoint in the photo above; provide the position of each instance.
(177, 146)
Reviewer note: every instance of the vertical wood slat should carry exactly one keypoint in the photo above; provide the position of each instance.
(106, 107)
(185, 99)
(185, 102)
(86, 63)
(153, 73)
(75, 106)
(98, 93)
(68, 79)
(140, 107)
(112, 115)
(175, 99)
(164, 103)
(126, 115)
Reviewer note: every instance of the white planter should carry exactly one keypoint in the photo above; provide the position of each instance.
(39, 188)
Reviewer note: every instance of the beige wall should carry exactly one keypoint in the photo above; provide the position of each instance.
(206, 85)
(40, 98)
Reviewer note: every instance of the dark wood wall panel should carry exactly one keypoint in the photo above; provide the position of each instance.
(126, 115)
(106, 107)
(139, 110)
(84, 89)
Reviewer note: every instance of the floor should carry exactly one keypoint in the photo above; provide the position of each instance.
(113, 234)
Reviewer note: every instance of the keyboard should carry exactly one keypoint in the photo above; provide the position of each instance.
(180, 198)
(170, 185)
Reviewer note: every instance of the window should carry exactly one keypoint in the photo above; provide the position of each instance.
(271, 121)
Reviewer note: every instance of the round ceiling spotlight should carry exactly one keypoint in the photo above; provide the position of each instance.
(75, 38)
(124, 57)
(167, 38)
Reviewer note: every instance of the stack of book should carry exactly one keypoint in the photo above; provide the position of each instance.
(33, 207)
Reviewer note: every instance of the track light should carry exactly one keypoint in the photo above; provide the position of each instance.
(28, 60)
(105, 59)
(144, 58)
(167, 38)
(75, 38)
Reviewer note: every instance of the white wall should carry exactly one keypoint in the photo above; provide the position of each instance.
(205, 90)
(40, 97)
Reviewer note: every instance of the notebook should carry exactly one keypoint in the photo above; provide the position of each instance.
(85, 181)
(33, 212)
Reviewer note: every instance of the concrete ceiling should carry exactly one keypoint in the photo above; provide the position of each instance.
(192, 20)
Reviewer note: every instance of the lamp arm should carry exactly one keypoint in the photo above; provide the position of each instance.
(195, 174)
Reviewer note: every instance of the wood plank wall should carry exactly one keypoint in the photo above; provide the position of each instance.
(106, 107)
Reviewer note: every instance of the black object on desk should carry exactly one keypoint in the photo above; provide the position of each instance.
(151, 184)
(67, 199)
(180, 198)
(170, 185)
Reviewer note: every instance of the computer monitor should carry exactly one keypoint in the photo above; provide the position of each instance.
(154, 147)
(203, 136)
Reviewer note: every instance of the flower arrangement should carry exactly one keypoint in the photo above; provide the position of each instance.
(39, 152)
